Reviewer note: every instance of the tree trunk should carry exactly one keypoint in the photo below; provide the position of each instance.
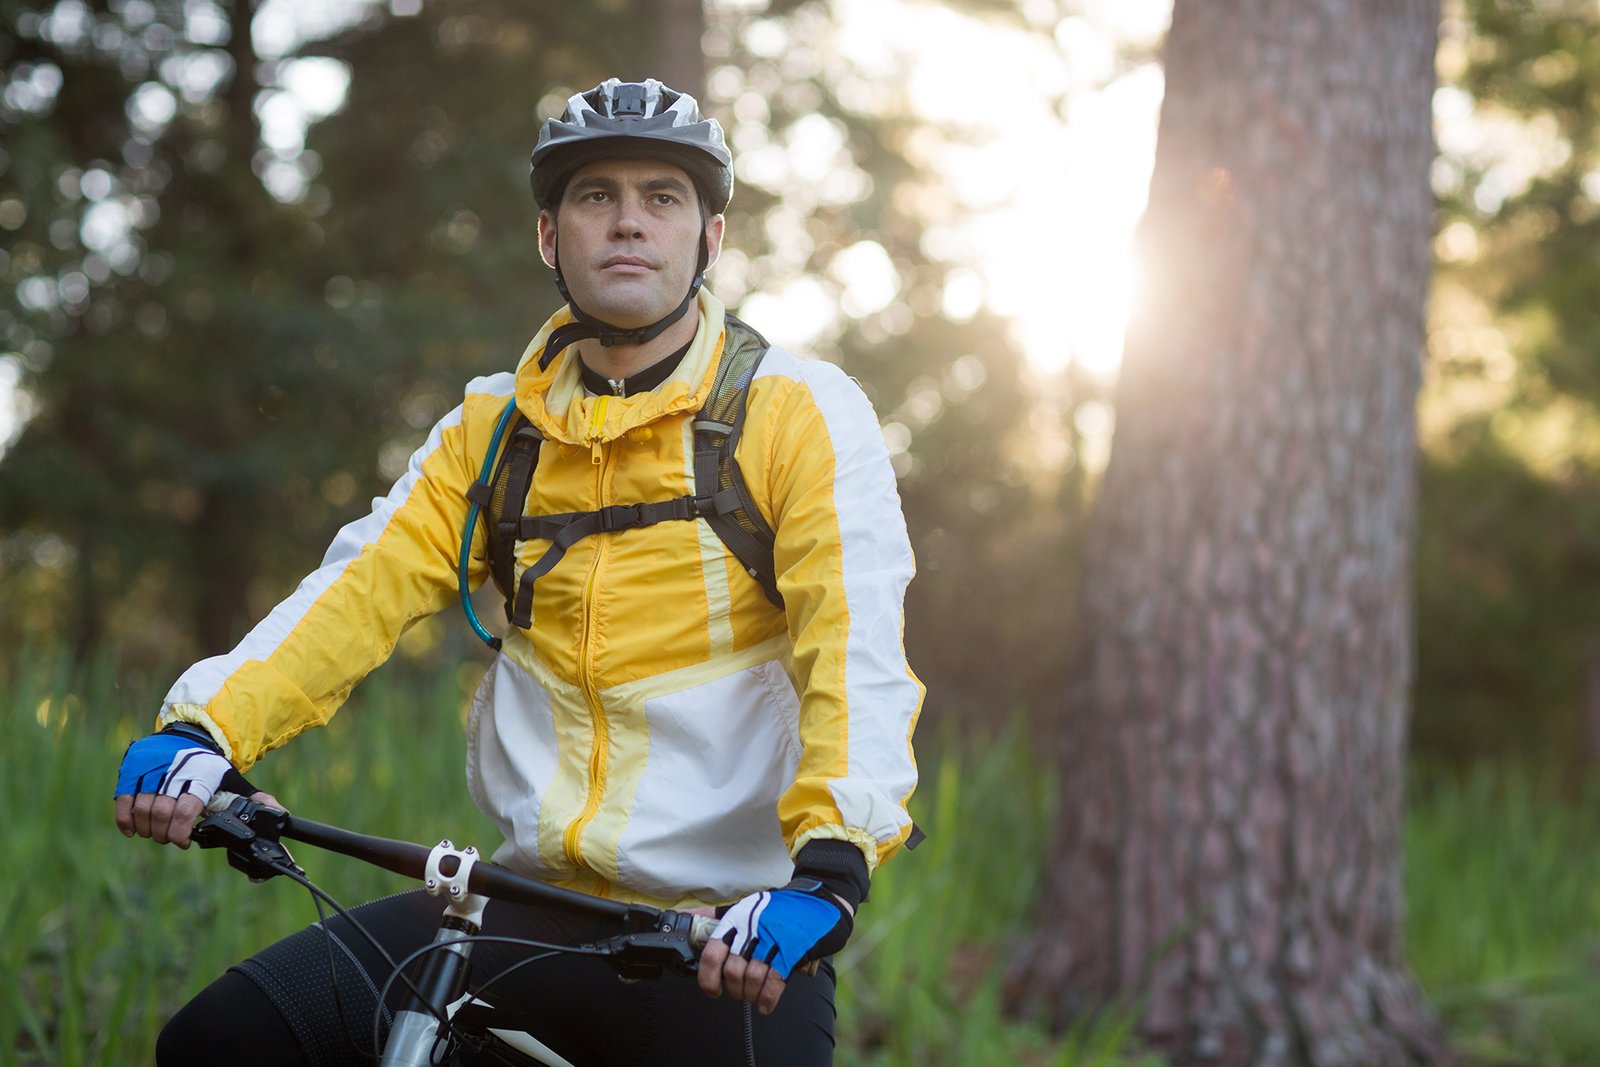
(227, 535)
(679, 54)
(1229, 857)
(223, 544)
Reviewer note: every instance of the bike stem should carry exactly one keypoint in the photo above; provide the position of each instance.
(415, 1039)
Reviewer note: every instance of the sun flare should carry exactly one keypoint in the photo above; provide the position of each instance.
(1055, 176)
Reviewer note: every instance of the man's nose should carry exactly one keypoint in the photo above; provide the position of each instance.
(630, 218)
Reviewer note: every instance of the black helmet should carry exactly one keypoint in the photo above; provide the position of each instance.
(632, 120)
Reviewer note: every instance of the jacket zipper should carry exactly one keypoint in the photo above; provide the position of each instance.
(598, 454)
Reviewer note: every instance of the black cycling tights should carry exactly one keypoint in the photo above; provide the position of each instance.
(283, 1006)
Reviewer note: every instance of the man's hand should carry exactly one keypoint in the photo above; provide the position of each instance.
(167, 778)
(168, 821)
(764, 936)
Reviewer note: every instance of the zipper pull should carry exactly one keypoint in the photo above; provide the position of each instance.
(596, 450)
(597, 422)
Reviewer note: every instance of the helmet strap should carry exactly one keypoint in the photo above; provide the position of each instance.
(585, 326)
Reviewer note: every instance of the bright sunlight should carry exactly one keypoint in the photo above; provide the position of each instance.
(1056, 172)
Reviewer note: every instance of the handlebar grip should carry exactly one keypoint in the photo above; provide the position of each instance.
(221, 800)
(700, 930)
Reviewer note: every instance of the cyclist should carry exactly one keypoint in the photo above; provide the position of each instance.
(659, 728)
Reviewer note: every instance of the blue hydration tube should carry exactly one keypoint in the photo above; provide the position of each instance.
(472, 525)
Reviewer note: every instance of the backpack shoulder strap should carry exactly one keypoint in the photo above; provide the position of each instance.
(508, 495)
(721, 496)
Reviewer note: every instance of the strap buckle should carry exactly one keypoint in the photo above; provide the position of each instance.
(620, 517)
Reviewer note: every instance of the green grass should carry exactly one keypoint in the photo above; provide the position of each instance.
(920, 979)
(1503, 915)
(102, 938)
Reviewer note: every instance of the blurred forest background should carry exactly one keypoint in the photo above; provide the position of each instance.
(224, 340)
(227, 317)
(252, 250)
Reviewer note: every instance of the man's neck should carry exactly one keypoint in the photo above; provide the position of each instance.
(624, 361)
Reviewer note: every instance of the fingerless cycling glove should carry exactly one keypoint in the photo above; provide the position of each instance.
(180, 760)
(784, 928)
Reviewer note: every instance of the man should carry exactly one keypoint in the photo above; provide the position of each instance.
(655, 726)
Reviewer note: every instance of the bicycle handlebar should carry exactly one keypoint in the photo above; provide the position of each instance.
(651, 941)
(652, 938)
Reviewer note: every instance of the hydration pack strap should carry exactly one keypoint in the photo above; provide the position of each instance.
(721, 496)
(564, 531)
(734, 517)
(521, 454)
(752, 546)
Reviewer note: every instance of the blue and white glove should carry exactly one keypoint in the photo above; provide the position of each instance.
(181, 760)
(784, 928)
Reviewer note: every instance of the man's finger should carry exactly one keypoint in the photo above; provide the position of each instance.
(755, 976)
(124, 813)
(268, 800)
(141, 813)
(733, 972)
(184, 814)
(710, 976)
(770, 991)
(161, 809)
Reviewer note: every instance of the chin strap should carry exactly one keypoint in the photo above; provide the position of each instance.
(584, 325)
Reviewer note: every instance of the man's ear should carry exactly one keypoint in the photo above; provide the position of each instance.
(714, 228)
(547, 237)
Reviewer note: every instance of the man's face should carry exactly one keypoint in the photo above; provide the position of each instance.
(629, 235)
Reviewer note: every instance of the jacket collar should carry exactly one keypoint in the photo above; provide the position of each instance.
(554, 401)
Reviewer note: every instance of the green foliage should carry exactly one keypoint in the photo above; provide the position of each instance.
(1508, 639)
(103, 938)
(195, 395)
(1503, 917)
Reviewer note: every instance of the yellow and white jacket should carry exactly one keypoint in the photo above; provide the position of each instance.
(661, 732)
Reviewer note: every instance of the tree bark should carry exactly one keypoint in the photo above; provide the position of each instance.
(227, 536)
(680, 62)
(1229, 859)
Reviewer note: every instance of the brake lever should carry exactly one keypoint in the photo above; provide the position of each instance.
(249, 831)
(654, 941)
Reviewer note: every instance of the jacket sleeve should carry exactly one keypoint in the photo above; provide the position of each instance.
(382, 573)
(843, 561)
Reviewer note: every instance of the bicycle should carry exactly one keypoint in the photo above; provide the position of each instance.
(441, 1015)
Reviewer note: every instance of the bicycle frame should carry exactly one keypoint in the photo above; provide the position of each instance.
(652, 940)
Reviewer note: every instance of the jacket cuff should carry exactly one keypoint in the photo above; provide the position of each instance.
(195, 715)
(838, 865)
